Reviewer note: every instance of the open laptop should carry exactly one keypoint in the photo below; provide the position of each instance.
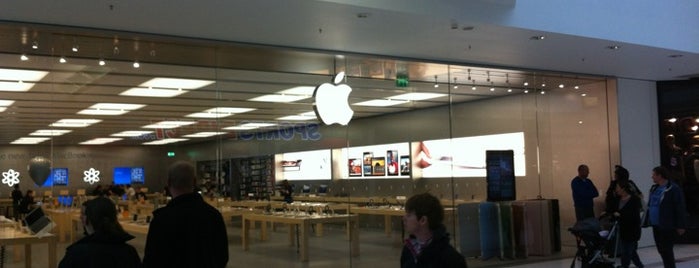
(37, 222)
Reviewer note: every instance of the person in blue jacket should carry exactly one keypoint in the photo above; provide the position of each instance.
(584, 192)
(428, 244)
(666, 214)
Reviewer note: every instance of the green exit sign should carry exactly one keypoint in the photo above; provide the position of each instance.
(402, 80)
(170, 154)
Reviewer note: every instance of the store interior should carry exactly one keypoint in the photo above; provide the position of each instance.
(92, 100)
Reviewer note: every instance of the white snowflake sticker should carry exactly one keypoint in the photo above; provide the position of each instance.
(91, 176)
(10, 177)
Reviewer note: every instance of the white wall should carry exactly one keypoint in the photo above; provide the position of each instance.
(638, 135)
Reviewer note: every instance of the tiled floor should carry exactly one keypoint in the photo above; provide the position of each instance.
(332, 250)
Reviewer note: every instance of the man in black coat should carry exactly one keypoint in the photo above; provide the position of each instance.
(187, 232)
(105, 244)
(428, 244)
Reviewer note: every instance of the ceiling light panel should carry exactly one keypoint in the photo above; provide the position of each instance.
(153, 92)
(204, 134)
(30, 140)
(299, 117)
(160, 82)
(279, 98)
(220, 112)
(163, 141)
(169, 124)
(5, 103)
(416, 96)
(75, 122)
(50, 132)
(249, 126)
(21, 75)
(19, 86)
(381, 103)
(131, 133)
(99, 141)
(111, 108)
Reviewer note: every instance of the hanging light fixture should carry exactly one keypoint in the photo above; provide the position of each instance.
(455, 85)
(35, 45)
(436, 85)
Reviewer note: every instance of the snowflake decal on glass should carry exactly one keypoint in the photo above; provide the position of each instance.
(10, 177)
(91, 176)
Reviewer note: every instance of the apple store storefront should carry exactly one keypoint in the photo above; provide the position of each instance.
(354, 136)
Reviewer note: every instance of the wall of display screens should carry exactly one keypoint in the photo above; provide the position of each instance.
(377, 161)
(128, 175)
(58, 177)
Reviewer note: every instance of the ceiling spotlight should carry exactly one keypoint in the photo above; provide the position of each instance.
(526, 84)
(24, 57)
(62, 60)
(696, 120)
(136, 64)
(577, 87)
(543, 92)
(492, 89)
(561, 86)
(75, 48)
(537, 37)
(613, 47)
(473, 88)
(435, 82)
(543, 84)
(672, 120)
(583, 95)
(694, 128)
(102, 62)
(526, 91)
(455, 85)
(509, 90)
(35, 45)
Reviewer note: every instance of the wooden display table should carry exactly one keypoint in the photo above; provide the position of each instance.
(62, 218)
(12, 236)
(304, 225)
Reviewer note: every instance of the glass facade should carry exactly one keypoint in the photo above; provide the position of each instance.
(247, 119)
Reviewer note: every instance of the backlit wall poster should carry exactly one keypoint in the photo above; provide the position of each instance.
(306, 165)
(465, 157)
(381, 161)
(58, 177)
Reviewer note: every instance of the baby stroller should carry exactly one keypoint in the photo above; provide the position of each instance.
(592, 237)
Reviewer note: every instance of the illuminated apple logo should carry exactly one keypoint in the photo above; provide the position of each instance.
(332, 104)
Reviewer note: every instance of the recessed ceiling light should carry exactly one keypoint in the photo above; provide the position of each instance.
(136, 65)
(279, 98)
(19, 86)
(176, 83)
(23, 57)
(30, 140)
(169, 124)
(110, 108)
(220, 112)
(131, 133)
(75, 48)
(163, 141)
(21, 75)
(99, 141)
(49, 132)
(75, 122)
(203, 134)
(62, 60)
(153, 92)
(5, 103)
(492, 89)
(248, 126)
(299, 117)
(381, 103)
(417, 96)
(101, 62)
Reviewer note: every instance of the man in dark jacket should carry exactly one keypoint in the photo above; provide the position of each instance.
(666, 214)
(584, 191)
(105, 244)
(187, 232)
(428, 244)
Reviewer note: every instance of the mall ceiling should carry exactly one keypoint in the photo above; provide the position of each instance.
(336, 37)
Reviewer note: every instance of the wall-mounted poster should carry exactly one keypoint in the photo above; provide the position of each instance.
(392, 168)
(291, 165)
(378, 166)
(355, 167)
(367, 163)
(405, 165)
